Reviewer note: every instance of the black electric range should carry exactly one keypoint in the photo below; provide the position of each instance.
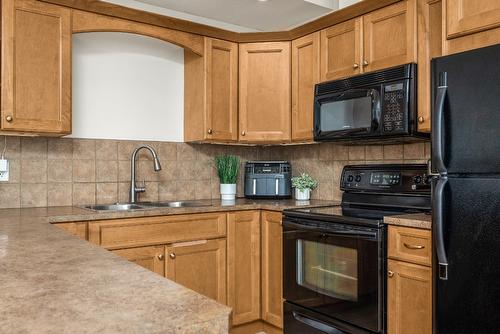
(334, 258)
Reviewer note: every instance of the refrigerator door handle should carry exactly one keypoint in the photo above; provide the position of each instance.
(437, 225)
(437, 124)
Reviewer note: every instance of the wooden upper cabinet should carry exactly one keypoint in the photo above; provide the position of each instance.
(151, 258)
(199, 266)
(429, 30)
(36, 67)
(272, 268)
(222, 89)
(305, 74)
(264, 105)
(468, 16)
(243, 265)
(390, 36)
(341, 50)
(409, 298)
(211, 93)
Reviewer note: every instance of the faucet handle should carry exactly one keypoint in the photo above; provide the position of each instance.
(142, 187)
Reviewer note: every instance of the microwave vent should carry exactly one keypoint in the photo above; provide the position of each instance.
(388, 75)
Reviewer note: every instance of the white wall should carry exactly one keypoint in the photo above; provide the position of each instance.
(127, 86)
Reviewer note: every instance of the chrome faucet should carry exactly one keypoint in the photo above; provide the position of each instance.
(134, 189)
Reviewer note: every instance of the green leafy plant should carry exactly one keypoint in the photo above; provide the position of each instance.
(227, 168)
(303, 182)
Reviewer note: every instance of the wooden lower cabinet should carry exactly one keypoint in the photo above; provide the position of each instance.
(199, 266)
(409, 298)
(151, 258)
(243, 265)
(272, 268)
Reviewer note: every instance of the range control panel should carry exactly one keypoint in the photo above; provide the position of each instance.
(394, 107)
(386, 178)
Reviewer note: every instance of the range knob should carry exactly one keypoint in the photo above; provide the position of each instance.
(358, 178)
(350, 178)
(417, 179)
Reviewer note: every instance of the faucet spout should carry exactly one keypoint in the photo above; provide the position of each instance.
(156, 165)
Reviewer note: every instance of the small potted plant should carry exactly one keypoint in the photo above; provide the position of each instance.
(227, 169)
(303, 185)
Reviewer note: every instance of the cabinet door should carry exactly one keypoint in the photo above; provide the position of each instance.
(272, 268)
(199, 266)
(341, 50)
(151, 258)
(305, 74)
(429, 29)
(222, 90)
(409, 295)
(468, 16)
(264, 92)
(36, 67)
(243, 265)
(389, 36)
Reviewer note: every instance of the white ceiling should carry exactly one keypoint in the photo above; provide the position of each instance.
(244, 15)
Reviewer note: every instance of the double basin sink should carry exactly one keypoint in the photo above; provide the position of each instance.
(147, 205)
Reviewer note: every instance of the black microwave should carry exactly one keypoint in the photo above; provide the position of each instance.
(373, 107)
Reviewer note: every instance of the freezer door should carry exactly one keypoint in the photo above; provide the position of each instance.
(466, 125)
(468, 300)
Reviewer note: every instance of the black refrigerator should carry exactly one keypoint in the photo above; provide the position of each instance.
(466, 191)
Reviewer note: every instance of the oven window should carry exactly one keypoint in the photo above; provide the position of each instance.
(346, 114)
(328, 269)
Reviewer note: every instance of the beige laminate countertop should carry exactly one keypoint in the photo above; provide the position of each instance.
(52, 282)
(417, 220)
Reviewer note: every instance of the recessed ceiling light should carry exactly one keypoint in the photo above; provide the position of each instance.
(262, 0)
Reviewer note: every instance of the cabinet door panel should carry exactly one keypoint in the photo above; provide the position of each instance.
(199, 266)
(264, 92)
(272, 268)
(36, 67)
(389, 36)
(151, 258)
(222, 90)
(341, 50)
(468, 16)
(305, 74)
(243, 265)
(409, 301)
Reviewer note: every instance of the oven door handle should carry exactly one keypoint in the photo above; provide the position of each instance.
(315, 323)
(333, 232)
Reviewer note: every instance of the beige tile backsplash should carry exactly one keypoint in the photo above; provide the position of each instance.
(60, 172)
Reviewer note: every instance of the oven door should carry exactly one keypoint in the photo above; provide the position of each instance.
(336, 272)
(349, 114)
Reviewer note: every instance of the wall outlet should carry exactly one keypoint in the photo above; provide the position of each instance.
(4, 170)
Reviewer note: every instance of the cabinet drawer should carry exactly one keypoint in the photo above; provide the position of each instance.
(410, 244)
(112, 234)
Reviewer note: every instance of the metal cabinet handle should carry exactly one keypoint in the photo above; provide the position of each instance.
(210, 131)
(243, 133)
(413, 246)
(365, 62)
(355, 66)
(172, 255)
(421, 119)
(160, 257)
(390, 273)
(9, 118)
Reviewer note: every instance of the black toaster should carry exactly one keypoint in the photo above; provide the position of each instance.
(268, 179)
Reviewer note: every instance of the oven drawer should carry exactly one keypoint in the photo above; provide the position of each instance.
(410, 244)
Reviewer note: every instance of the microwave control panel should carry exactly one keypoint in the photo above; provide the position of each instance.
(394, 107)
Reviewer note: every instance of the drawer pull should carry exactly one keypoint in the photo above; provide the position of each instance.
(413, 246)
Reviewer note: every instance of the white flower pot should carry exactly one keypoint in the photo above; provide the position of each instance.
(302, 195)
(228, 192)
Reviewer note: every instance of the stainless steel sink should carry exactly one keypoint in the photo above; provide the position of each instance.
(147, 205)
(178, 204)
(115, 207)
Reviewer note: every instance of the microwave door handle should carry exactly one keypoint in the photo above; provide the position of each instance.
(322, 327)
(351, 131)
